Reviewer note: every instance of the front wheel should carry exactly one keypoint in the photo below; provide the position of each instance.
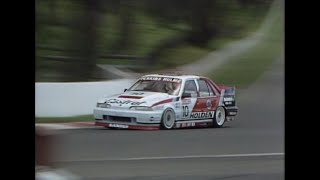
(219, 117)
(168, 119)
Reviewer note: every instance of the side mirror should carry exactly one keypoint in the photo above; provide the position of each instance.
(186, 95)
(125, 90)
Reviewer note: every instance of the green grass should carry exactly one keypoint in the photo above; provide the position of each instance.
(64, 119)
(242, 70)
(246, 23)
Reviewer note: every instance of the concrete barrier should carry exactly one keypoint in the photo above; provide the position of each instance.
(73, 99)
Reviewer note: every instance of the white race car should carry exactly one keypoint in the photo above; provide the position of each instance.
(168, 101)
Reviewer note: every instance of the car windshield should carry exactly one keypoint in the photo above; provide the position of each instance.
(172, 88)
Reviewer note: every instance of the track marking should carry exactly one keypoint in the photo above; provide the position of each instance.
(176, 157)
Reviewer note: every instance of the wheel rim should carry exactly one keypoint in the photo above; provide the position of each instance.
(168, 119)
(220, 116)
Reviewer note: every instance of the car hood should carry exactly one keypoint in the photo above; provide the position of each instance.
(136, 98)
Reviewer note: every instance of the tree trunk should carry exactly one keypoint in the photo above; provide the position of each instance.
(201, 27)
(126, 29)
(84, 39)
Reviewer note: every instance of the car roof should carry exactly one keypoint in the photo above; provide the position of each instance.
(180, 76)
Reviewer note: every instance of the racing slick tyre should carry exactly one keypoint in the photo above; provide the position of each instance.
(219, 117)
(168, 119)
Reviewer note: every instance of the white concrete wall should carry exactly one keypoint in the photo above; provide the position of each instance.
(72, 99)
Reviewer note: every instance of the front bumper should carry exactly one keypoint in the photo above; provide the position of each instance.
(125, 116)
(128, 126)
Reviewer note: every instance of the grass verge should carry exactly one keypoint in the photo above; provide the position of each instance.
(242, 70)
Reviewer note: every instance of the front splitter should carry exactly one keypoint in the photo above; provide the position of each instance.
(128, 126)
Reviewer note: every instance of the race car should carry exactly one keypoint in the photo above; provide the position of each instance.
(168, 101)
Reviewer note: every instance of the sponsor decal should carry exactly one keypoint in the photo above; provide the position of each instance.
(201, 115)
(209, 104)
(119, 126)
(228, 99)
(131, 97)
(186, 101)
(172, 80)
(191, 124)
(116, 101)
(153, 78)
(177, 105)
(182, 125)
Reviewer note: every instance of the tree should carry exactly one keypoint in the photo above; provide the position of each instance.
(84, 40)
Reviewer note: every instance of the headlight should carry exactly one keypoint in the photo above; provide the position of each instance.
(103, 105)
(141, 108)
(159, 107)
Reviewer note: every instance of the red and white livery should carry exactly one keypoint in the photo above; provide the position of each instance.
(168, 101)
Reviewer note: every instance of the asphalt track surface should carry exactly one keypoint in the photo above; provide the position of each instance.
(204, 153)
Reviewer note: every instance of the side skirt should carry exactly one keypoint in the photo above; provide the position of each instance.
(193, 123)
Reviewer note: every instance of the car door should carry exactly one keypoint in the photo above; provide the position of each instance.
(207, 101)
(188, 98)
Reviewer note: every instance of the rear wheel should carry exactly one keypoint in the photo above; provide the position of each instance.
(168, 119)
(219, 117)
